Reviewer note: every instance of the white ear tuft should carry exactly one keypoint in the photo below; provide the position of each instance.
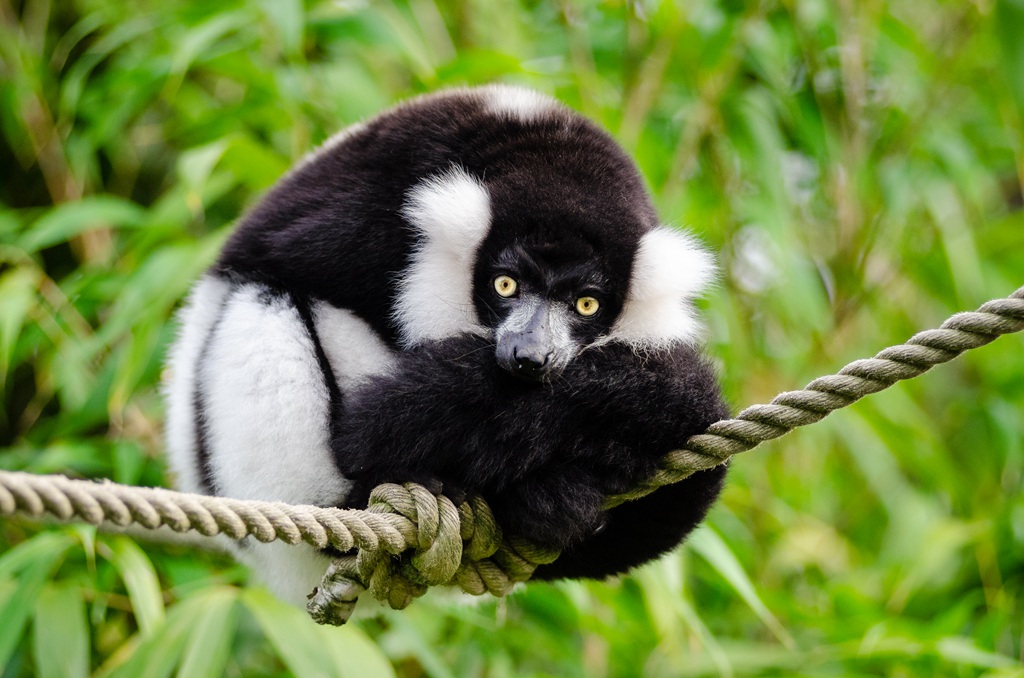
(670, 269)
(517, 102)
(452, 211)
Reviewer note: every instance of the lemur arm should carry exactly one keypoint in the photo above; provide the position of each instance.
(543, 455)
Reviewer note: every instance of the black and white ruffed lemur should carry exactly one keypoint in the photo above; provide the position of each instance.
(473, 291)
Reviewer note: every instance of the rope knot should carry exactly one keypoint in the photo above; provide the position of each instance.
(451, 544)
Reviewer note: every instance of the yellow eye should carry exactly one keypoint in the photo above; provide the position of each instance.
(587, 306)
(505, 286)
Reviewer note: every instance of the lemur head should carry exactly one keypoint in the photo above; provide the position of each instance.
(541, 234)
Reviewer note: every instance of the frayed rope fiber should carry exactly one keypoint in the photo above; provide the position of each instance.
(408, 539)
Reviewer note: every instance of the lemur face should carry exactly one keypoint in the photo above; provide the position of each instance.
(537, 231)
(545, 304)
(553, 272)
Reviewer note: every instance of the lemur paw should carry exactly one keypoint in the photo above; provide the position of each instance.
(455, 493)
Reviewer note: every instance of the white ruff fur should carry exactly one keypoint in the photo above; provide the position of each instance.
(290, 571)
(241, 366)
(670, 269)
(195, 320)
(517, 102)
(268, 412)
(353, 349)
(267, 406)
(452, 213)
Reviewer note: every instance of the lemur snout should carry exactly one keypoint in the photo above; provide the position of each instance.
(531, 363)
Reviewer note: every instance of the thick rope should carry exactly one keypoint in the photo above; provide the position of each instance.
(409, 539)
(821, 397)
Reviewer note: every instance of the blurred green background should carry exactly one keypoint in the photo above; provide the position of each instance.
(859, 166)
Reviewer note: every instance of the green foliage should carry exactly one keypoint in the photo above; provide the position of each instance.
(858, 165)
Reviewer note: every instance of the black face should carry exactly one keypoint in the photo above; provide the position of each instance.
(545, 303)
(568, 209)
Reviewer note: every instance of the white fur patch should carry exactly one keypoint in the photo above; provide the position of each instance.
(267, 406)
(267, 410)
(353, 349)
(670, 269)
(290, 571)
(196, 319)
(517, 102)
(452, 212)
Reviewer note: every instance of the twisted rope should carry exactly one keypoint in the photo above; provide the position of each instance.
(821, 397)
(406, 540)
(409, 539)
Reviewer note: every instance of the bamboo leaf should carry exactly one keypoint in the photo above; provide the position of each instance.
(35, 561)
(139, 577)
(66, 221)
(209, 645)
(17, 297)
(711, 547)
(156, 653)
(311, 650)
(60, 637)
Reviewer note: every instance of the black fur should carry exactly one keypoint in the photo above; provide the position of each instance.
(556, 181)
(544, 455)
(568, 210)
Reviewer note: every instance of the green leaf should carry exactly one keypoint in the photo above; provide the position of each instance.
(68, 220)
(200, 38)
(194, 168)
(291, 633)
(136, 570)
(311, 650)
(712, 548)
(36, 559)
(30, 553)
(71, 372)
(1009, 25)
(964, 651)
(155, 654)
(254, 163)
(60, 640)
(152, 289)
(209, 645)
(354, 650)
(17, 297)
(286, 17)
(128, 462)
(9, 225)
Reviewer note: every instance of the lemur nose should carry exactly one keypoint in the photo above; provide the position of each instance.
(531, 364)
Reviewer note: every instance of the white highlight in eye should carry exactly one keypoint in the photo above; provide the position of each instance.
(670, 269)
(517, 102)
(452, 212)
